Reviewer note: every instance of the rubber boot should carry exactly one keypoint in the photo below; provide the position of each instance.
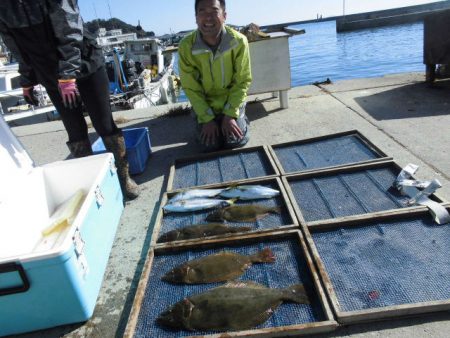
(80, 148)
(116, 145)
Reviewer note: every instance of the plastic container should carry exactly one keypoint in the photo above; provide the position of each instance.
(137, 142)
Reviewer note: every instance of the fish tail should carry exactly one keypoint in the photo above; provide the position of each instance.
(240, 229)
(264, 256)
(275, 210)
(296, 293)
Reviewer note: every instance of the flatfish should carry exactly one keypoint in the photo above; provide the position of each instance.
(200, 231)
(196, 204)
(249, 192)
(234, 306)
(219, 267)
(242, 213)
(195, 193)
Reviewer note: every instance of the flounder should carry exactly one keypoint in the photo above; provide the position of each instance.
(219, 267)
(234, 306)
(200, 231)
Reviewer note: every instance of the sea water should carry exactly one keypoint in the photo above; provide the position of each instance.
(322, 53)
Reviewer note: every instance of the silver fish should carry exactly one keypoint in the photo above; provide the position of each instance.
(249, 192)
(196, 204)
(234, 306)
(195, 193)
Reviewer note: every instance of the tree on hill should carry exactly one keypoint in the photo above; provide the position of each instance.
(115, 23)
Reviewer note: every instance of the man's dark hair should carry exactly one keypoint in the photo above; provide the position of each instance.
(222, 4)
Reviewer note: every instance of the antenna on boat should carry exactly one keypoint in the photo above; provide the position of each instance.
(96, 15)
(109, 8)
(343, 8)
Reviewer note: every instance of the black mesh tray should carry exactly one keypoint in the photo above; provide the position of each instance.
(285, 220)
(388, 267)
(219, 167)
(346, 192)
(292, 266)
(332, 150)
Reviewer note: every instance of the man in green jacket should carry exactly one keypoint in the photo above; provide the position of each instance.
(215, 72)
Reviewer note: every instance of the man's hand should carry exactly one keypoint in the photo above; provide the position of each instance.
(210, 133)
(69, 93)
(230, 129)
(30, 96)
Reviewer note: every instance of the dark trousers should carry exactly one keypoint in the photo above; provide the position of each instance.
(224, 142)
(94, 92)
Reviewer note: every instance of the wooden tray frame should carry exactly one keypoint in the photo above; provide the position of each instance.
(264, 149)
(356, 133)
(341, 170)
(375, 314)
(293, 330)
(299, 228)
(263, 181)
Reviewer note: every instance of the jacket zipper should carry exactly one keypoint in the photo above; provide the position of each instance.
(211, 61)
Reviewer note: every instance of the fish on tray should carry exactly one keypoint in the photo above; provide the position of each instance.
(219, 267)
(200, 231)
(242, 213)
(249, 192)
(196, 204)
(234, 306)
(195, 193)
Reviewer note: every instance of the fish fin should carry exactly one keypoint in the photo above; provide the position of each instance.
(275, 210)
(232, 200)
(264, 256)
(296, 293)
(162, 239)
(243, 284)
(240, 229)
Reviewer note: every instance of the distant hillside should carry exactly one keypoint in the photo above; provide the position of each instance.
(115, 23)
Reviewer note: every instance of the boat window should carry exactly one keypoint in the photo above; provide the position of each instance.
(15, 82)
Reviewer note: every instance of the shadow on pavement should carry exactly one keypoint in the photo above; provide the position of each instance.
(410, 101)
(255, 110)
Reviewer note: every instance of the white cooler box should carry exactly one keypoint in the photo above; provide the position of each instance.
(46, 281)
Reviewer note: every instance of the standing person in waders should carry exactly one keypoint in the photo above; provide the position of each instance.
(53, 49)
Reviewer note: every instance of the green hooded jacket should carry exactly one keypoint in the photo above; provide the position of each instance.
(215, 83)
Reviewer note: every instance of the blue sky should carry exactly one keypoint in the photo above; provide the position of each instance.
(165, 16)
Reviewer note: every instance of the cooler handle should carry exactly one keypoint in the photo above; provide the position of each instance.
(11, 267)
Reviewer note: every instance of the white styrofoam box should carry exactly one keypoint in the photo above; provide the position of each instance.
(53, 280)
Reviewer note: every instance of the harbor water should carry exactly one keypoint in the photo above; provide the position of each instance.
(322, 53)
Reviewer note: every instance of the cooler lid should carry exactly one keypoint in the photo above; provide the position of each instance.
(14, 158)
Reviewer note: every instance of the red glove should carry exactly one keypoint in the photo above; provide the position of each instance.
(30, 96)
(69, 93)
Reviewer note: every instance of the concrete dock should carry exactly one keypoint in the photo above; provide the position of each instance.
(406, 118)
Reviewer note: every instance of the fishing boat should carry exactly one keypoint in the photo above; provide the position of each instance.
(141, 74)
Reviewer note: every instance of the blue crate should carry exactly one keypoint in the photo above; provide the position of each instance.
(137, 142)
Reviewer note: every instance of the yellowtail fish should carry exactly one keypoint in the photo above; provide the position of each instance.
(195, 193)
(234, 306)
(249, 192)
(200, 231)
(242, 213)
(219, 267)
(196, 204)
